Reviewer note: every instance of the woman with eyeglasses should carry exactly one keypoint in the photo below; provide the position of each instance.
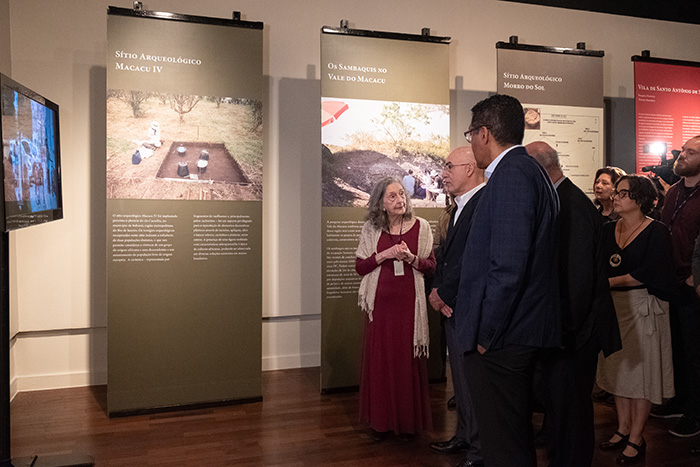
(394, 255)
(640, 273)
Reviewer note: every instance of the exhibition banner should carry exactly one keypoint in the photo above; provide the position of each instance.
(561, 91)
(184, 210)
(667, 108)
(384, 112)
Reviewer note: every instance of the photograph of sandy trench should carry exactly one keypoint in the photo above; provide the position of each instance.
(183, 147)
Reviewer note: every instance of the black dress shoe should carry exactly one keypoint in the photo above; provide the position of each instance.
(631, 460)
(470, 463)
(612, 446)
(449, 447)
(378, 435)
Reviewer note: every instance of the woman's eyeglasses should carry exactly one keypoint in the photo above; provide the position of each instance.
(622, 194)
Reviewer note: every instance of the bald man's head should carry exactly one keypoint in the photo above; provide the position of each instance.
(461, 173)
(548, 158)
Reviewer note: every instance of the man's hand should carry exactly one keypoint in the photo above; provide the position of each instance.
(480, 349)
(435, 301)
(664, 186)
(447, 311)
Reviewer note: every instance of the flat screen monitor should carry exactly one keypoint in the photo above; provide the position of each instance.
(31, 168)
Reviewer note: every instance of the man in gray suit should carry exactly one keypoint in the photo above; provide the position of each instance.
(463, 180)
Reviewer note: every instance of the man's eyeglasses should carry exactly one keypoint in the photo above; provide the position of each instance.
(449, 165)
(468, 133)
(622, 194)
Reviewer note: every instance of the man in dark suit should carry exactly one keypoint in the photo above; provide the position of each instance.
(589, 323)
(463, 180)
(508, 300)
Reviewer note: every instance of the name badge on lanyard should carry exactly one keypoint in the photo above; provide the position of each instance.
(398, 268)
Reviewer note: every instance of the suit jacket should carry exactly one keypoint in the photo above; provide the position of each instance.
(509, 290)
(587, 307)
(449, 255)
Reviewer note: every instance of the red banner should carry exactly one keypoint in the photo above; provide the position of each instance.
(667, 105)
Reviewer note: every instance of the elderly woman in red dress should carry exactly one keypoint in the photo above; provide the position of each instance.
(394, 254)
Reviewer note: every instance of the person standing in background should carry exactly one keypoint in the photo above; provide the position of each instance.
(603, 187)
(589, 324)
(681, 214)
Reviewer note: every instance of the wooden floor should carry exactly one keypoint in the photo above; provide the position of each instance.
(294, 425)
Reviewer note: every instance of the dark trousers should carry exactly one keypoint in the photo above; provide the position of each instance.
(685, 335)
(500, 384)
(569, 376)
(466, 421)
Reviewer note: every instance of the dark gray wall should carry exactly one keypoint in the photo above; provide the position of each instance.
(620, 138)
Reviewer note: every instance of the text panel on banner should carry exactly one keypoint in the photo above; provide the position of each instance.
(562, 96)
(184, 212)
(384, 112)
(667, 108)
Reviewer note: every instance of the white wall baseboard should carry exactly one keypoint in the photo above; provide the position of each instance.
(57, 381)
(285, 362)
(13, 388)
(99, 377)
(61, 359)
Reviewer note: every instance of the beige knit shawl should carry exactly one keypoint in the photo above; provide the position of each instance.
(368, 287)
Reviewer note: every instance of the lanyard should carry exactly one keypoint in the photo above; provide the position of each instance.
(677, 209)
(400, 233)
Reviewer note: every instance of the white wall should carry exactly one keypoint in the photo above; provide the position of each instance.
(58, 48)
(5, 63)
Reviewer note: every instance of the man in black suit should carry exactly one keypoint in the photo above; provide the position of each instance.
(589, 323)
(508, 299)
(463, 180)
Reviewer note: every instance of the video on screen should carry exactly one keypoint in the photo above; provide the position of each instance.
(29, 155)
